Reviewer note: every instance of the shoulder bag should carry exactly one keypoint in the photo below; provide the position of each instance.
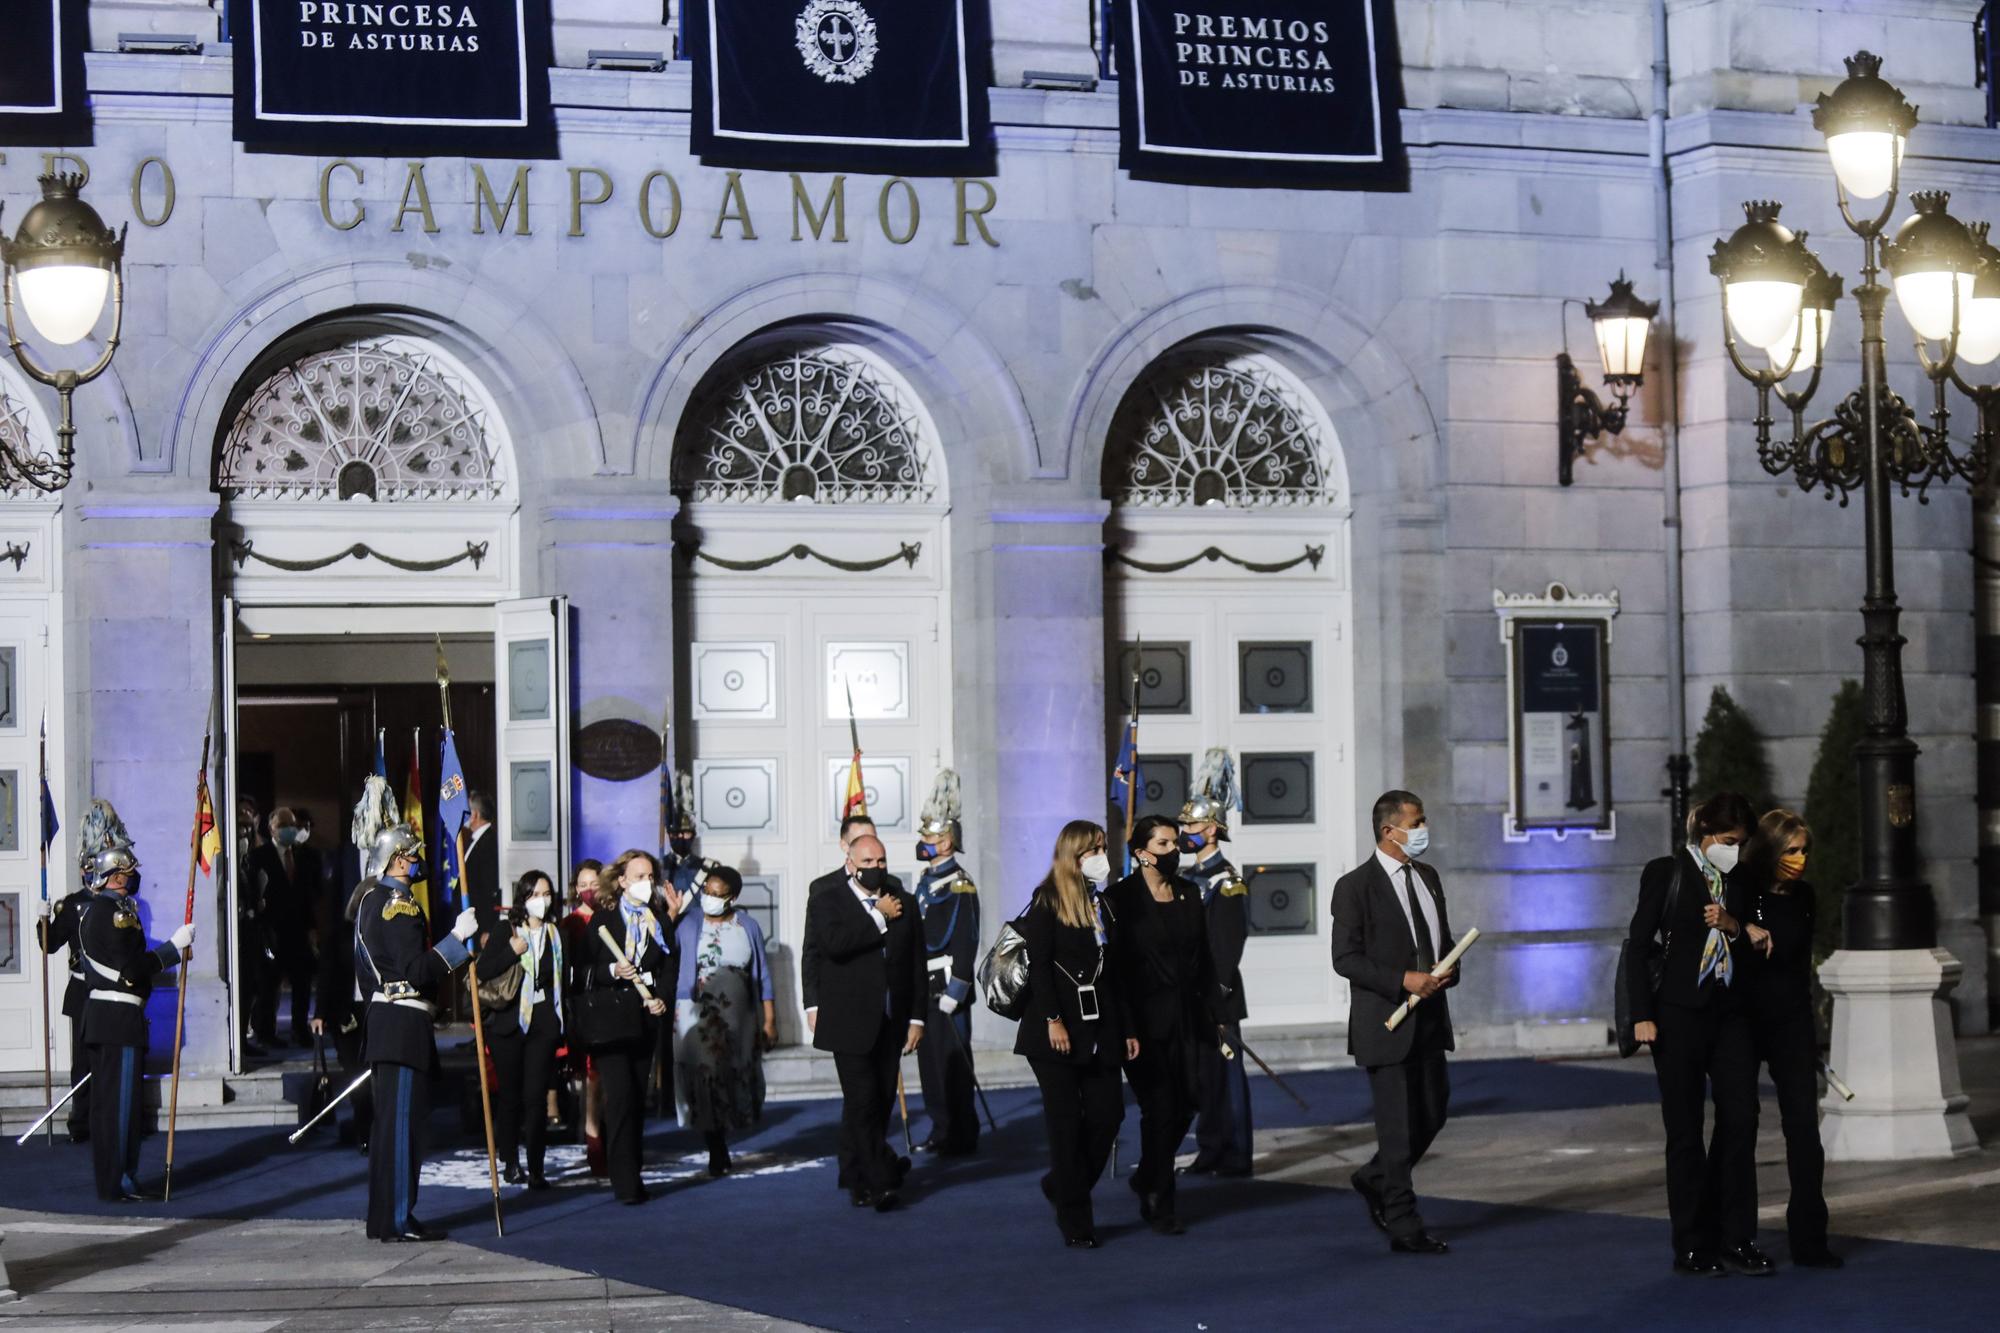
(1655, 963)
(1003, 975)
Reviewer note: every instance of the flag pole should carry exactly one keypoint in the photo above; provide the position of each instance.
(181, 991)
(48, 1028)
(1132, 729)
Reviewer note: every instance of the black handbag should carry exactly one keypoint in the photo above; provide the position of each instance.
(319, 1084)
(608, 1017)
(1656, 966)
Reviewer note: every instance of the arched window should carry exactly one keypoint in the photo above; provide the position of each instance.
(1210, 427)
(825, 423)
(385, 418)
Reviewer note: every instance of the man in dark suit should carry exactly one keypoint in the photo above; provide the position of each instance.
(861, 968)
(482, 861)
(1389, 930)
(290, 876)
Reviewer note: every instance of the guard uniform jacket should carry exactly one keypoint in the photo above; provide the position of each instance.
(398, 971)
(61, 934)
(950, 904)
(120, 966)
(1227, 901)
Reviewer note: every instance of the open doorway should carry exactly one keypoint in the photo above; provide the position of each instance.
(316, 713)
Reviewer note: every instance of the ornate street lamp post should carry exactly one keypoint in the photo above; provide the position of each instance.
(61, 265)
(1892, 1034)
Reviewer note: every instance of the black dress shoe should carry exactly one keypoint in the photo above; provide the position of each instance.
(138, 1196)
(1166, 1224)
(718, 1162)
(1048, 1187)
(77, 1135)
(1820, 1257)
(514, 1175)
(1373, 1198)
(413, 1236)
(252, 1049)
(887, 1201)
(902, 1168)
(1745, 1258)
(1422, 1242)
(930, 1145)
(1200, 1166)
(1085, 1241)
(538, 1181)
(1697, 1263)
(861, 1198)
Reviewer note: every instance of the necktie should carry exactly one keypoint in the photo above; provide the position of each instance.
(1426, 946)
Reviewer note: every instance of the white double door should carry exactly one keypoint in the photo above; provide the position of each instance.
(770, 678)
(1259, 667)
(29, 665)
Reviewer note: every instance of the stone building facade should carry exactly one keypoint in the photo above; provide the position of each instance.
(613, 323)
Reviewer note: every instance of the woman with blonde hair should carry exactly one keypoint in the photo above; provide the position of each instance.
(1073, 1031)
(1782, 1022)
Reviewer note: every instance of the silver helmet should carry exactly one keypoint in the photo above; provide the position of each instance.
(941, 812)
(111, 861)
(1214, 792)
(393, 841)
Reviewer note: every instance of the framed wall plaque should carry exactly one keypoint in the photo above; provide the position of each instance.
(1558, 719)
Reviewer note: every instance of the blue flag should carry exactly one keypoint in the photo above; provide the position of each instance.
(1126, 779)
(454, 808)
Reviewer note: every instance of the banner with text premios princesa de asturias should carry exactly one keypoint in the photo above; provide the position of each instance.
(462, 77)
(831, 85)
(41, 73)
(1301, 93)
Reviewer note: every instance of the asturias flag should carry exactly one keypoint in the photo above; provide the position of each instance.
(454, 808)
(1126, 779)
(413, 815)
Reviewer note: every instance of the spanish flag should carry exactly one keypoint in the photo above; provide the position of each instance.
(207, 838)
(413, 815)
(857, 794)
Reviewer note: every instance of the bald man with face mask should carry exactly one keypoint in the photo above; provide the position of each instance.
(861, 969)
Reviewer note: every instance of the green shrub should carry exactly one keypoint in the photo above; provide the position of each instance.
(1729, 754)
(1833, 809)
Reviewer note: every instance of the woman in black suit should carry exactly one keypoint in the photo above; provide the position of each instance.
(520, 994)
(1161, 959)
(1073, 1032)
(1781, 1018)
(1697, 1020)
(614, 1023)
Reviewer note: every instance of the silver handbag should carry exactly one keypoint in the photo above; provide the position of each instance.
(1003, 976)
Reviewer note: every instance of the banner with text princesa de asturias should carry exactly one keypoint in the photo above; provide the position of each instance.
(1301, 93)
(464, 77)
(41, 73)
(833, 85)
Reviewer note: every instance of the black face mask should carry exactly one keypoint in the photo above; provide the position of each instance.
(1192, 843)
(927, 851)
(872, 878)
(680, 846)
(1166, 863)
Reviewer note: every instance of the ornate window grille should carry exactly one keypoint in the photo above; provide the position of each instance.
(1219, 430)
(811, 423)
(16, 434)
(385, 418)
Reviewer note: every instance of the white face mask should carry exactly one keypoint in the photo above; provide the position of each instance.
(1722, 856)
(714, 906)
(538, 908)
(1096, 867)
(640, 891)
(1417, 841)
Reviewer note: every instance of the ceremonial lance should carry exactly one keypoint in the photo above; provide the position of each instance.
(1443, 969)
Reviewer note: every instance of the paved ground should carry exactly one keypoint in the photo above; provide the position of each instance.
(80, 1273)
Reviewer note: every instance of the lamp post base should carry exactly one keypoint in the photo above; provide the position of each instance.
(1892, 1043)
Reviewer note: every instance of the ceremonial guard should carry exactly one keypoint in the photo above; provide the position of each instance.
(400, 971)
(1222, 1131)
(59, 931)
(682, 874)
(949, 902)
(338, 1008)
(119, 967)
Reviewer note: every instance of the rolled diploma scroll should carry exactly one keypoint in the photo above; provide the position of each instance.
(1445, 965)
(603, 933)
(1833, 1081)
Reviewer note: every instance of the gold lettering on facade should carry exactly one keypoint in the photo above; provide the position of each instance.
(326, 205)
(577, 202)
(485, 204)
(49, 161)
(836, 204)
(138, 192)
(413, 183)
(739, 214)
(977, 216)
(916, 212)
(653, 229)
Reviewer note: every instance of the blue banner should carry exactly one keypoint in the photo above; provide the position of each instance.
(897, 86)
(463, 78)
(454, 808)
(1294, 93)
(41, 73)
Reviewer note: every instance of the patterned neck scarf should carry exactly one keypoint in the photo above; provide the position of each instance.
(540, 941)
(640, 923)
(1715, 959)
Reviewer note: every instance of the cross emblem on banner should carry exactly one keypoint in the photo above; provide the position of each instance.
(835, 37)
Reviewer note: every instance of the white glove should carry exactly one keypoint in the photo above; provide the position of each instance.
(183, 936)
(466, 925)
(947, 1004)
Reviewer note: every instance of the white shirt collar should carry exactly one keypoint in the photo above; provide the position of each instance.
(477, 834)
(1391, 865)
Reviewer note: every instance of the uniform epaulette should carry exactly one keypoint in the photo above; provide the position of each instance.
(963, 885)
(1236, 888)
(396, 907)
(125, 917)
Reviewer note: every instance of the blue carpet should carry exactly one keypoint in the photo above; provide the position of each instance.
(976, 1247)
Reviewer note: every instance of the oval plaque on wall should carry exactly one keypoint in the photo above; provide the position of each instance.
(617, 749)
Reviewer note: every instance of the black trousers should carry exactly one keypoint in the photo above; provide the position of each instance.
(867, 1093)
(293, 966)
(1082, 1107)
(1161, 1081)
(1712, 1189)
(621, 1073)
(114, 1118)
(79, 1065)
(403, 1104)
(944, 1063)
(524, 1070)
(1411, 1101)
(1222, 1129)
(1789, 1044)
(361, 1104)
